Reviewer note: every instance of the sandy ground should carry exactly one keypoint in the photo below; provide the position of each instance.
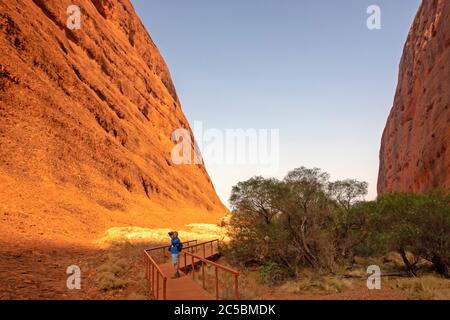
(33, 268)
(36, 269)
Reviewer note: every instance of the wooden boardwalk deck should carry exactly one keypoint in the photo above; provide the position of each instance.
(184, 287)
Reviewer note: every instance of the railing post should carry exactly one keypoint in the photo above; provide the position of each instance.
(185, 263)
(153, 280)
(236, 286)
(217, 284)
(212, 248)
(204, 251)
(164, 288)
(146, 265)
(150, 275)
(157, 286)
(203, 274)
(149, 272)
(193, 267)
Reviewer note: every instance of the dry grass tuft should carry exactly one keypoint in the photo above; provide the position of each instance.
(121, 273)
(428, 287)
(109, 281)
(110, 272)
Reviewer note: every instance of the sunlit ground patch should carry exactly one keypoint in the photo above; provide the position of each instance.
(193, 231)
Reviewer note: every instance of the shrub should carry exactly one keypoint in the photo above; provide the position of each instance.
(290, 223)
(305, 220)
(271, 274)
(109, 281)
(424, 288)
(416, 223)
(111, 271)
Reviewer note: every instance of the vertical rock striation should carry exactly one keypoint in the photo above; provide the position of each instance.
(86, 118)
(415, 147)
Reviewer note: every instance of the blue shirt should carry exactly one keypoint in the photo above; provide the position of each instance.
(174, 246)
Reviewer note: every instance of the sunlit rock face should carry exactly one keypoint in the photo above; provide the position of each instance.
(415, 148)
(86, 122)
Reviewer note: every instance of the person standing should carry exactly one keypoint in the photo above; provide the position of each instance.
(175, 249)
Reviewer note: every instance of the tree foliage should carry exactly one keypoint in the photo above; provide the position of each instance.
(305, 220)
(415, 223)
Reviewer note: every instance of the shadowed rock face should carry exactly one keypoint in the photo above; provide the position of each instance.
(415, 148)
(86, 118)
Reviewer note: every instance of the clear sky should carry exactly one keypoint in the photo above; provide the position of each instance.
(311, 69)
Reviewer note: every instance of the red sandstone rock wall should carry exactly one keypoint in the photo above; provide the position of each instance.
(415, 148)
(86, 118)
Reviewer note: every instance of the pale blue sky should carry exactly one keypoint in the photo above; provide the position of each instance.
(309, 68)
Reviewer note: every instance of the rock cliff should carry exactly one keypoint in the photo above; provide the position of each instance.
(86, 122)
(415, 147)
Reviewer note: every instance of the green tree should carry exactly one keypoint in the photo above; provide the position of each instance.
(415, 223)
(307, 216)
(257, 199)
(347, 192)
(255, 209)
(393, 226)
(350, 214)
(307, 221)
(433, 224)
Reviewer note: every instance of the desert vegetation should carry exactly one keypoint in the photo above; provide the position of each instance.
(307, 224)
(119, 273)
